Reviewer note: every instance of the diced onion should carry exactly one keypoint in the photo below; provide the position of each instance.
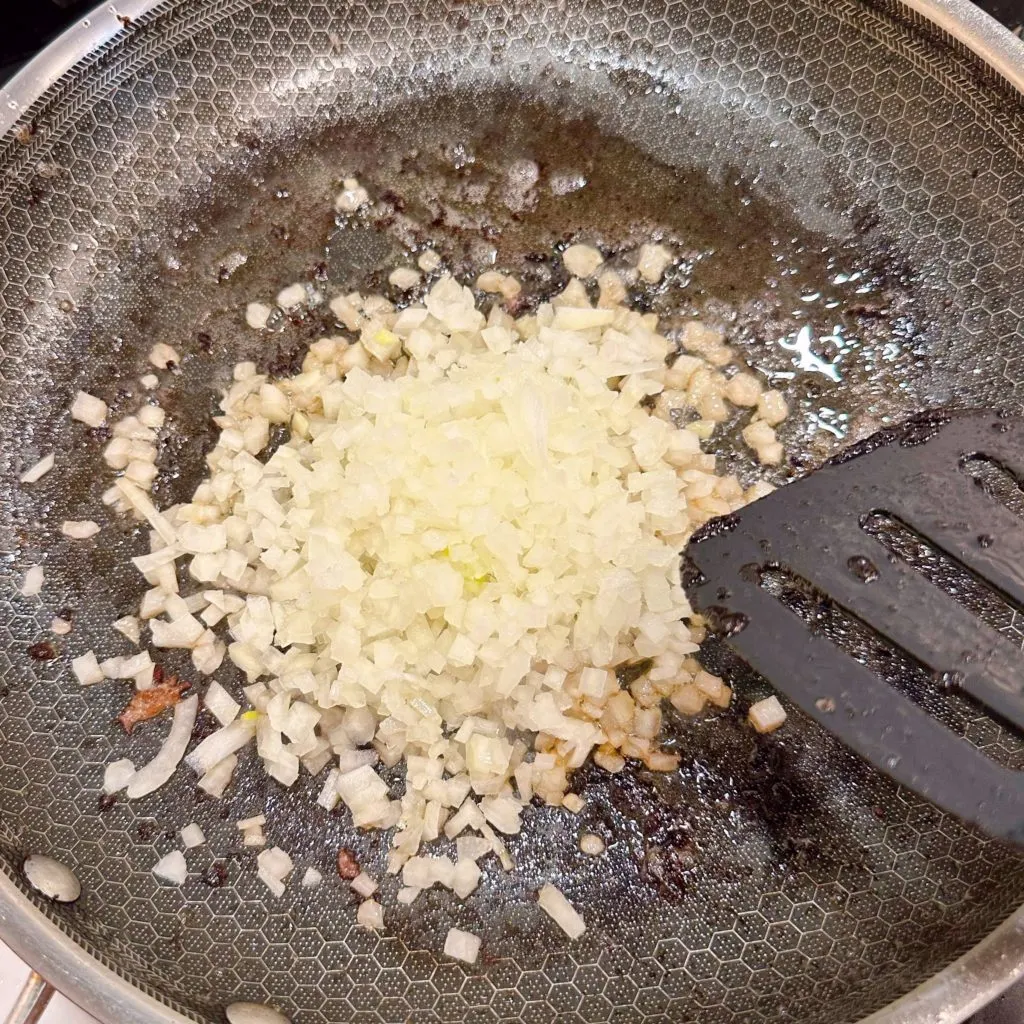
(220, 744)
(87, 669)
(767, 715)
(80, 529)
(220, 703)
(460, 945)
(153, 775)
(161, 355)
(88, 409)
(129, 627)
(171, 867)
(370, 915)
(33, 582)
(363, 885)
(38, 470)
(117, 775)
(216, 780)
(561, 911)
(192, 835)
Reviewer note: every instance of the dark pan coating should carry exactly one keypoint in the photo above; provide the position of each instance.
(847, 198)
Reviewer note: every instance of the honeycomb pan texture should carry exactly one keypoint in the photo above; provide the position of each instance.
(804, 887)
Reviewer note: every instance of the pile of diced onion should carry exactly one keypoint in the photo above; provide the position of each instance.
(474, 520)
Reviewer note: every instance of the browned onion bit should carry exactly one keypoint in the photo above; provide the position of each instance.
(146, 704)
(348, 866)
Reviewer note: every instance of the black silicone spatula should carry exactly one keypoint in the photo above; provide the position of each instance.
(817, 531)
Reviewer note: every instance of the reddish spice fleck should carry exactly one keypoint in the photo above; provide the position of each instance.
(146, 704)
(348, 866)
(43, 651)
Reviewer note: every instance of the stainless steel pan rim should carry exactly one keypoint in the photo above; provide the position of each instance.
(950, 997)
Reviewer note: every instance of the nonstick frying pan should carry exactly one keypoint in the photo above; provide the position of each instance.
(845, 183)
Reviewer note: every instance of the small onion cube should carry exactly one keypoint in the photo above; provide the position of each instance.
(129, 627)
(88, 409)
(561, 911)
(460, 945)
(87, 669)
(766, 715)
(221, 704)
(192, 835)
(117, 775)
(33, 582)
(370, 915)
(162, 356)
(171, 867)
(216, 780)
(363, 885)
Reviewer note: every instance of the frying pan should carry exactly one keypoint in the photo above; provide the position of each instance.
(844, 182)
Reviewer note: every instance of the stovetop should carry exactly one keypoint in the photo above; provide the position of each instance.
(30, 26)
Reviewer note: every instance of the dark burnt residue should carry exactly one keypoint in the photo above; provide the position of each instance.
(42, 651)
(216, 874)
(630, 671)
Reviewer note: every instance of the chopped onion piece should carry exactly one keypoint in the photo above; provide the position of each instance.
(592, 845)
(88, 409)
(87, 669)
(766, 715)
(129, 627)
(172, 867)
(561, 911)
(370, 915)
(257, 314)
(184, 632)
(460, 945)
(192, 835)
(163, 356)
(312, 878)
(329, 795)
(117, 775)
(274, 864)
(153, 775)
(38, 470)
(404, 278)
(216, 780)
(33, 582)
(582, 260)
(466, 878)
(142, 504)
(221, 704)
(363, 885)
(275, 885)
(407, 894)
(60, 627)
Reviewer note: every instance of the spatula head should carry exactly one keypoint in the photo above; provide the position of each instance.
(819, 536)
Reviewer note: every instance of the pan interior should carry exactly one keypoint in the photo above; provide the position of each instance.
(846, 194)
